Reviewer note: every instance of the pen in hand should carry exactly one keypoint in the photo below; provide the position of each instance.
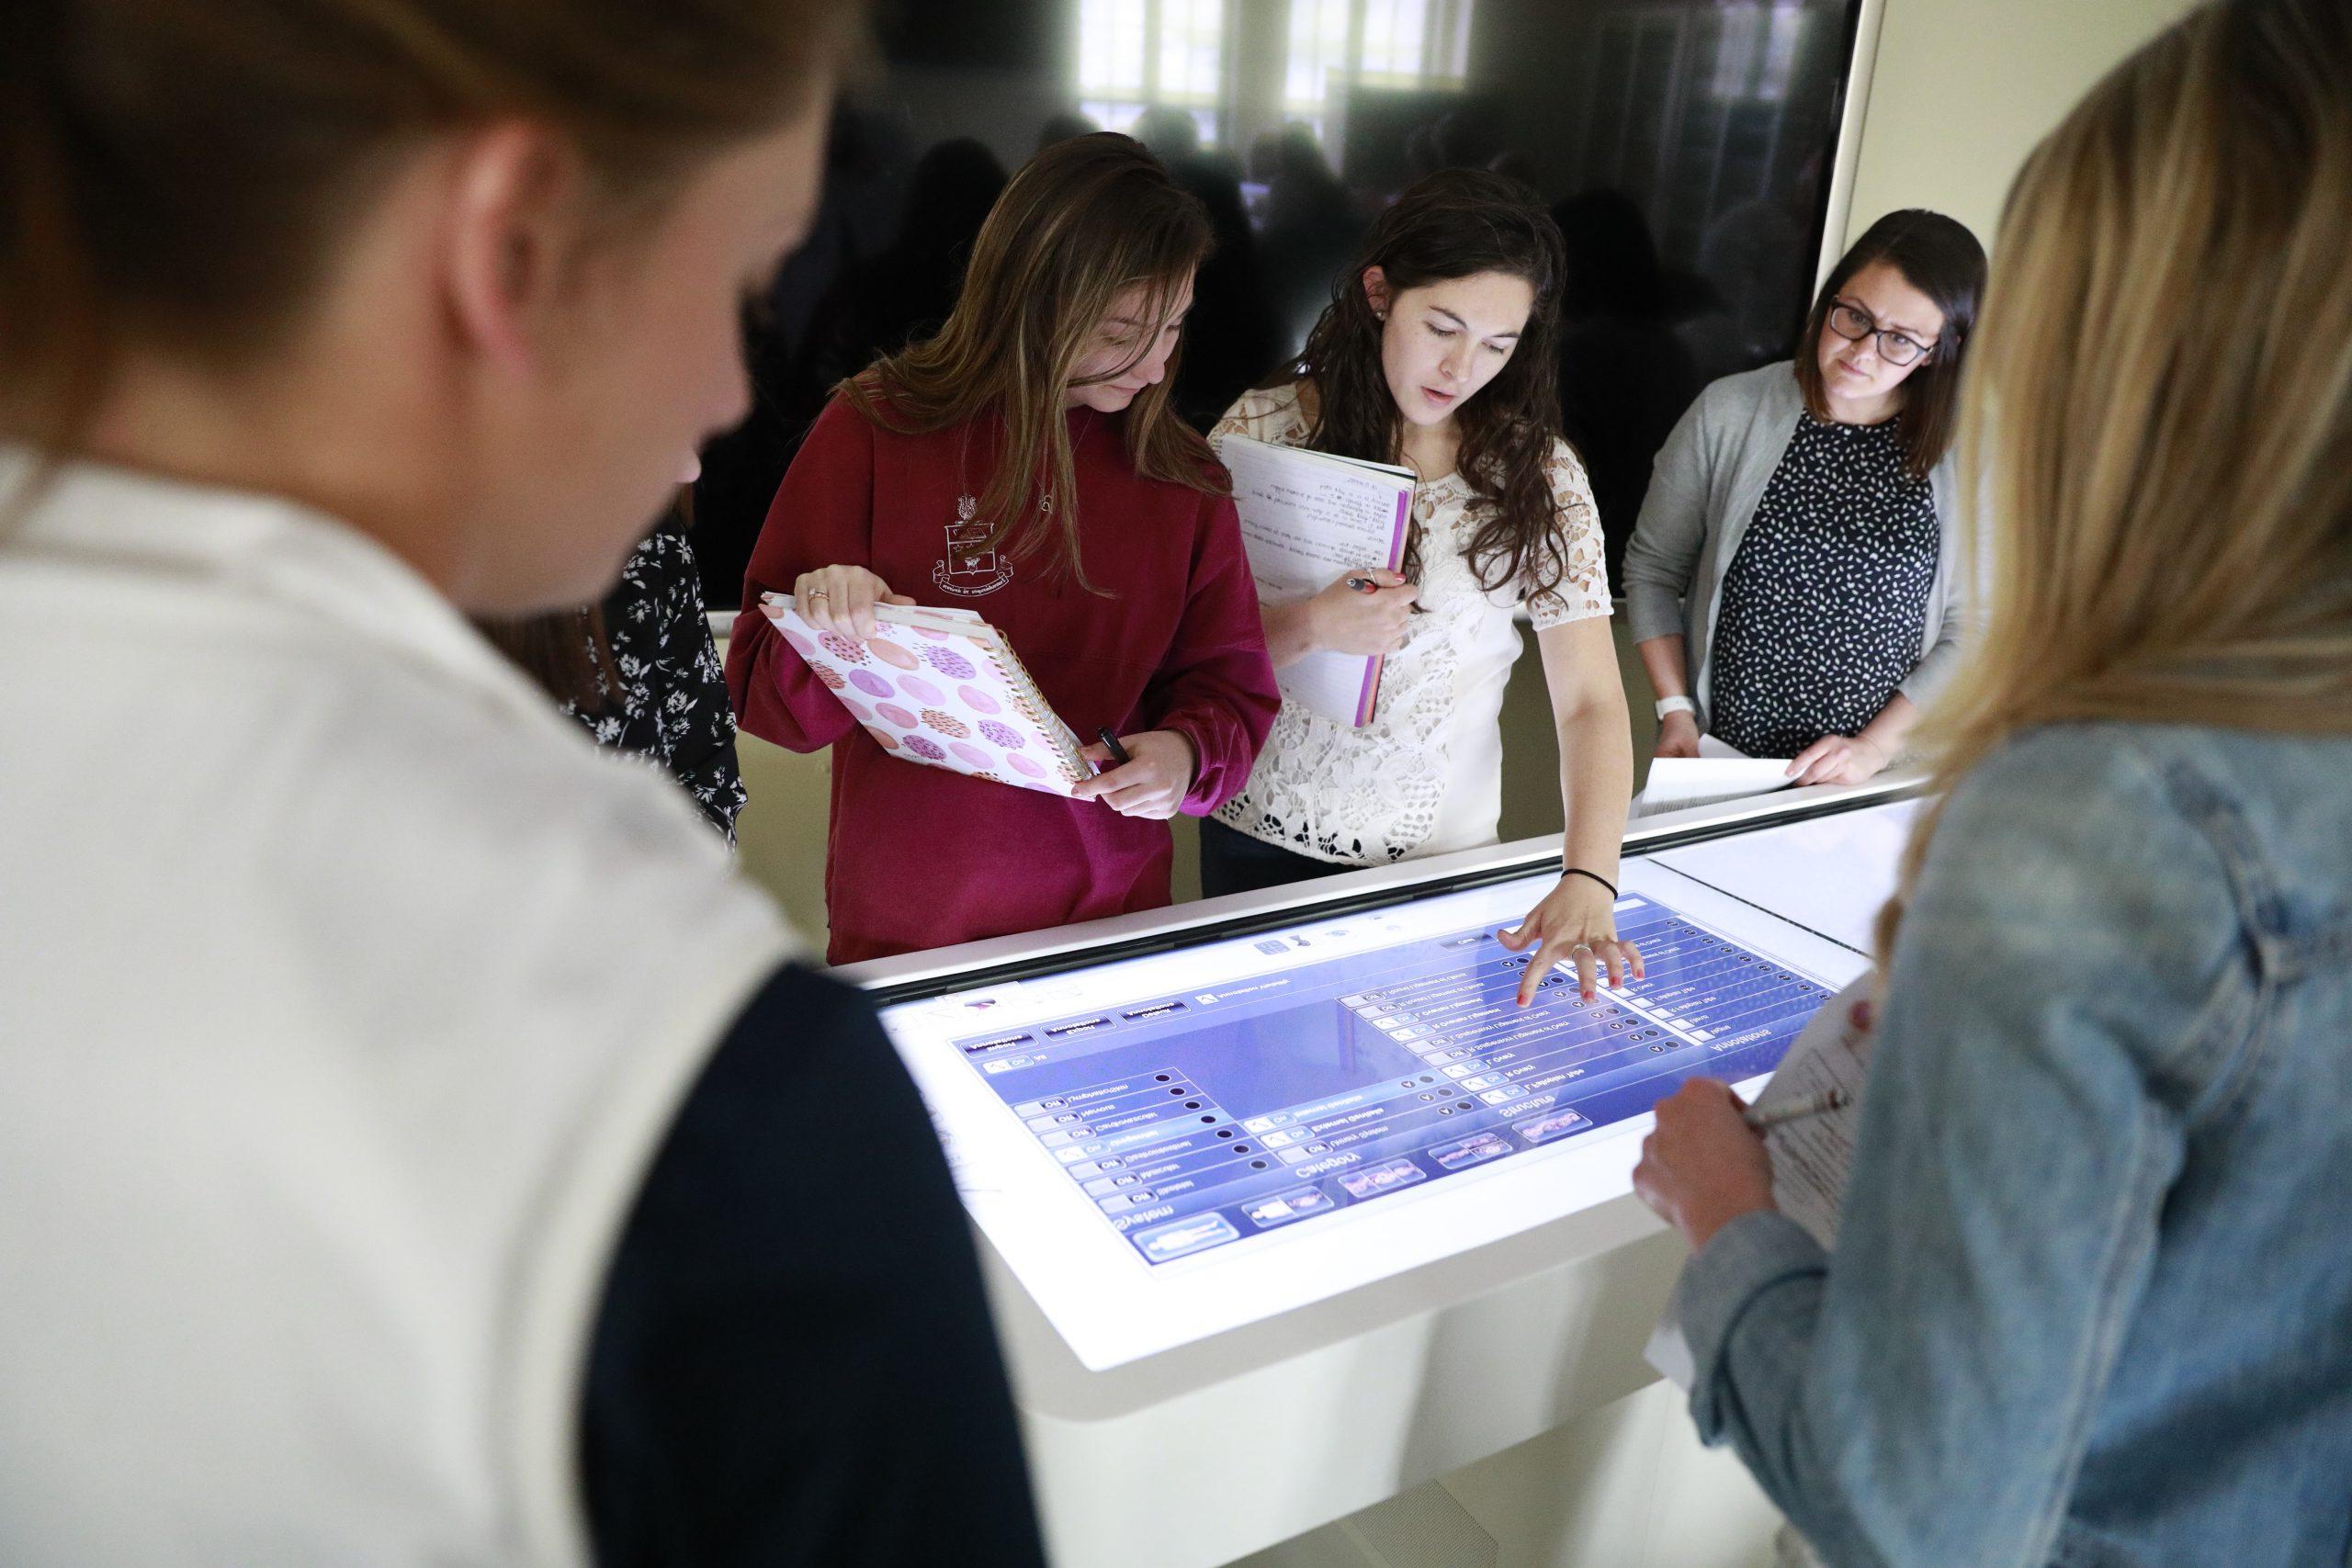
(1828, 1100)
(1119, 758)
(1363, 585)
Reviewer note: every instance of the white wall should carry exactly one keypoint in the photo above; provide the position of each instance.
(1961, 90)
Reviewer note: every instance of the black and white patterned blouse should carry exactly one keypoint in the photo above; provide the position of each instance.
(671, 705)
(1826, 602)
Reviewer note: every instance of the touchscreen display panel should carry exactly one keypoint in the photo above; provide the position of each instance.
(1166, 1146)
(1192, 1119)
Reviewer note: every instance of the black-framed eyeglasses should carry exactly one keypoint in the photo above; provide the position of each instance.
(1853, 323)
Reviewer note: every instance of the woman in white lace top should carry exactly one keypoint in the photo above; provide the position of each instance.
(1437, 351)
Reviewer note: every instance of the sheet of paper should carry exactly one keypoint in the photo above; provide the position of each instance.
(1306, 518)
(1718, 772)
(1811, 1156)
(1781, 868)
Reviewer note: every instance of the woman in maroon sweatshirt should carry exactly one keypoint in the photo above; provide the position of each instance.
(1024, 463)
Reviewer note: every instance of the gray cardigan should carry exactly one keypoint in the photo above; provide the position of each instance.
(1703, 490)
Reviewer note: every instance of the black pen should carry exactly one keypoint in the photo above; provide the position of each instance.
(1119, 758)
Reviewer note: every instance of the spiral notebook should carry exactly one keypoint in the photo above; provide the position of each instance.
(943, 688)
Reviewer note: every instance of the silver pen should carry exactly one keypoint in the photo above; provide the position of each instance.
(1828, 1100)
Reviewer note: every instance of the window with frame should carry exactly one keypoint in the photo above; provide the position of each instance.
(1135, 55)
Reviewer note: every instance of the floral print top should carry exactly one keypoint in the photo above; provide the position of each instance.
(670, 705)
(1424, 777)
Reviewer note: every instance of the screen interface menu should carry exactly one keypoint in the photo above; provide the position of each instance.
(1192, 1120)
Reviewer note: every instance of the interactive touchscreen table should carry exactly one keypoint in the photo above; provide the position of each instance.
(1165, 1147)
(1291, 1216)
(1192, 1121)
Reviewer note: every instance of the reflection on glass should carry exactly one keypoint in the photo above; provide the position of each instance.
(1134, 57)
(1318, 50)
(1191, 48)
(1112, 47)
(1757, 51)
(1684, 144)
(1336, 45)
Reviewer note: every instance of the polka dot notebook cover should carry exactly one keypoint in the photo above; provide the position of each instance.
(941, 687)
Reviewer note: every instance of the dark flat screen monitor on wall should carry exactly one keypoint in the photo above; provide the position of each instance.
(1684, 145)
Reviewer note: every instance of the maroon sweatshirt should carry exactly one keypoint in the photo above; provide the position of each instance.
(920, 857)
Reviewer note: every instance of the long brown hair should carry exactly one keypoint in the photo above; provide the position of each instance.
(1937, 256)
(1456, 223)
(1083, 221)
(174, 173)
(567, 653)
(2162, 401)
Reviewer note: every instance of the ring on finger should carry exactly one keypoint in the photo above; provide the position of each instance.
(815, 593)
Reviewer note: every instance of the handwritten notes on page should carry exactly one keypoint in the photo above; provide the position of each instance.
(1306, 519)
(1811, 1155)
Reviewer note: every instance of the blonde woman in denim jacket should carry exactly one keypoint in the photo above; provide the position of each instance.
(2091, 1304)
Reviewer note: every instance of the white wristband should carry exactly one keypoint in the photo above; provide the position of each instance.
(1675, 704)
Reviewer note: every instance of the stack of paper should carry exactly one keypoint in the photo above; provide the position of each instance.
(1307, 518)
(943, 688)
(1717, 773)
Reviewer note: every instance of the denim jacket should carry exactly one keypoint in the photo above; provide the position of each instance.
(2091, 1304)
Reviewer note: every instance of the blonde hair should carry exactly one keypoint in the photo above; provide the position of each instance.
(2159, 408)
(1082, 220)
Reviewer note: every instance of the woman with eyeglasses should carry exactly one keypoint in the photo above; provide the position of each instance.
(1792, 581)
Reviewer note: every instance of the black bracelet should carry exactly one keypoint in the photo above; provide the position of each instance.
(1579, 871)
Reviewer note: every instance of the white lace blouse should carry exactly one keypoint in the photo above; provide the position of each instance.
(1425, 777)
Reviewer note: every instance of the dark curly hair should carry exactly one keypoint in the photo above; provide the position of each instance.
(1456, 223)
